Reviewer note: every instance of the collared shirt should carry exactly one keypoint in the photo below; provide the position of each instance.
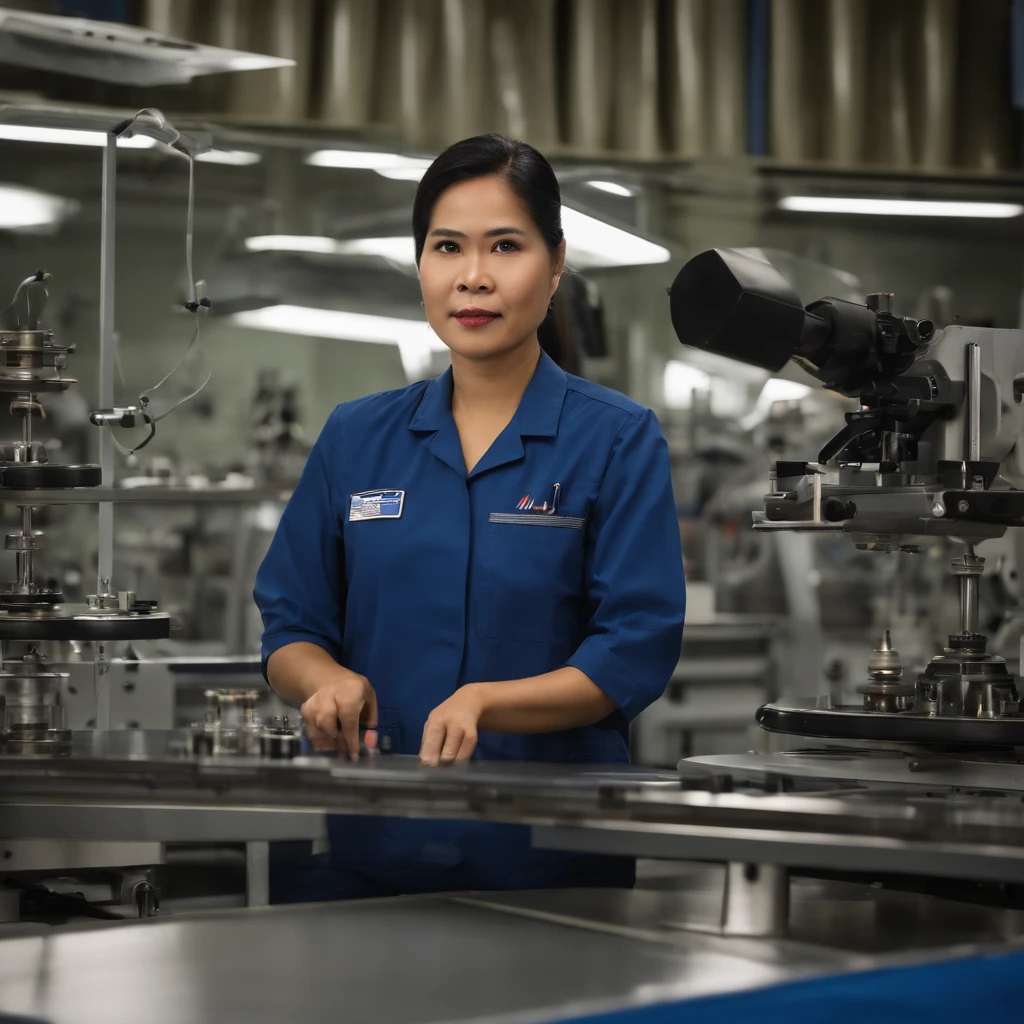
(423, 578)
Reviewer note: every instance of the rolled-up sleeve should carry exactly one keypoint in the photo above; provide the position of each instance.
(300, 586)
(634, 572)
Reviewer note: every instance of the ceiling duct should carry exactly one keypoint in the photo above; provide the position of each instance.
(109, 52)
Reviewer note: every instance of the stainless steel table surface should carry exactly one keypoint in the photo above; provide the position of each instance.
(486, 957)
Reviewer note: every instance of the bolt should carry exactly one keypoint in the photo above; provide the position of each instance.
(938, 510)
(129, 687)
(963, 506)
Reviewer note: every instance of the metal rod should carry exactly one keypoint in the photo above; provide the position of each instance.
(24, 558)
(755, 902)
(969, 604)
(105, 557)
(974, 402)
(26, 424)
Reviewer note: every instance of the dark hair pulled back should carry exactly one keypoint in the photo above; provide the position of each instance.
(522, 167)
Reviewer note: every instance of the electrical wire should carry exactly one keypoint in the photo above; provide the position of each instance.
(194, 305)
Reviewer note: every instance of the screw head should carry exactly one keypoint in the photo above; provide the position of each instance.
(963, 506)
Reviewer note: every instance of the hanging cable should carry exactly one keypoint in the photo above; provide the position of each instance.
(194, 305)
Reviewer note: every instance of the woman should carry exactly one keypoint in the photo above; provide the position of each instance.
(486, 564)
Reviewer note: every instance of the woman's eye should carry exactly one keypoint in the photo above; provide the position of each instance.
(447, 247)
(506, 246)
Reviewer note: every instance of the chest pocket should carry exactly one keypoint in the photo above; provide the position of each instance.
(532, 580)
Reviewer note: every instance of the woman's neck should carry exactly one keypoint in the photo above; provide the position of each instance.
(493, 384)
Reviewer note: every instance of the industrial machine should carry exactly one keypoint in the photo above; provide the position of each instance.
(34, 615)
(932, 451)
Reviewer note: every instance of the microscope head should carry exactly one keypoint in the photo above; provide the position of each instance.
(933, 447)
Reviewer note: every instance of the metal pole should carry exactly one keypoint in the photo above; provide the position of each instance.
(105, 558)
(974, 402)
(257, 874)
(755, 903)
(969, 604)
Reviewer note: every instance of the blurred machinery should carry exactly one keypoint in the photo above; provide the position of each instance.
(769, 614)
(930, 451)
(33, 615)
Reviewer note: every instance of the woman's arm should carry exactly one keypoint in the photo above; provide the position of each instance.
(301, 592)
(563, 699)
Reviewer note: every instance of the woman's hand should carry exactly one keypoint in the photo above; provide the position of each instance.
(336, 710)
(450, 732)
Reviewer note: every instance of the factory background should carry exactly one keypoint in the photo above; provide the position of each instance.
(686, 124)
(825, 805)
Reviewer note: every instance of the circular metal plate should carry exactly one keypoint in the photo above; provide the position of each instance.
(27, 602)
(852, 723)
(34, 385)
(48, 744)
(79, 622)
(30, 477)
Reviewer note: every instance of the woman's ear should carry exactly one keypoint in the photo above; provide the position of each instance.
(559, 264)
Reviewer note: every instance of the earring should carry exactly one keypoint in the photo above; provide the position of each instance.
(551, 304)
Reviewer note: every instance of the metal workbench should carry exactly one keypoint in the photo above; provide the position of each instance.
(519, 957)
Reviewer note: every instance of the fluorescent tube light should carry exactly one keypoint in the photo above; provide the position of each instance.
(899, 207)
(334, 323)
(397, 248)
(414, 338)
(365, 160)
(231, 157)
(612, 187)
(594, 243)
(292, 243)
(69, 136)
(22, 207)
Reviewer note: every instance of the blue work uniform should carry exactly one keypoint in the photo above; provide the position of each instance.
(423, 577)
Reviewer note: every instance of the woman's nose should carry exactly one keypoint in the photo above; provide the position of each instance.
(475, 278)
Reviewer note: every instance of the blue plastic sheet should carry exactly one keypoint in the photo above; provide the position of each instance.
(981, 988)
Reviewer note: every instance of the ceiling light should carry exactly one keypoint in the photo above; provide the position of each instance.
(680, 381)
(397, 248)
(409, 173)
(899, 207)
(292, 243)
(231, 157)
(22, 207)
(334, 323)
(610, 186)
(367, 160)
(69, 136)
(778, 389)
(594, 243)
(774, 389)
(414, 338)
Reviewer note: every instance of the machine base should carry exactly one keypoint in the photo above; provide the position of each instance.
(80, 622)
(849, 722)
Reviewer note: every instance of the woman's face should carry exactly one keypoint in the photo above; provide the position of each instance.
(486, 273)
